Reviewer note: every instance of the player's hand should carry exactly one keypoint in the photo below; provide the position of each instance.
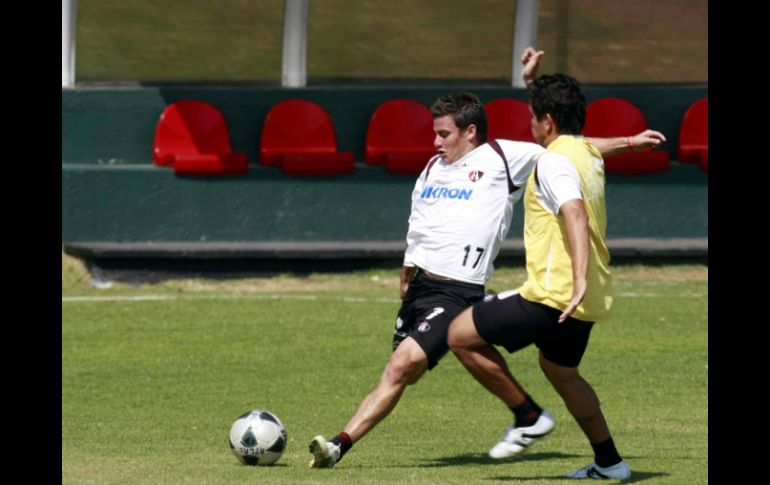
(531, 60)
(578, 293)
(404, 288)
(407, 273)
(647, 139)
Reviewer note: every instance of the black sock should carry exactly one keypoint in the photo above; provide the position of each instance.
(526, 414)
(605, 453)
(344, 442)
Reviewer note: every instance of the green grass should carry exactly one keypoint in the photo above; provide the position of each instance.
(151, 387)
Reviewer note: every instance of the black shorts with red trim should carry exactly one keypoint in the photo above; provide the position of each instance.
(429, 307)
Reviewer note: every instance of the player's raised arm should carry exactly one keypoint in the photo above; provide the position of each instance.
(622, 144)
(531, 60)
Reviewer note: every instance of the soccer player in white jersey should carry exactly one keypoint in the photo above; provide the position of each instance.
(567, 288)
(462, 205)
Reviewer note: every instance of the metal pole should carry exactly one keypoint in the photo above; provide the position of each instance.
(294, 44)
(68, 23)
(562, 36)
(524, 35)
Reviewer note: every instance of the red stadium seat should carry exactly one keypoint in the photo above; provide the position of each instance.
(509, 119)
(610, 117)
(694, 135)
(192, 136)
(400, 136)
(298, 136)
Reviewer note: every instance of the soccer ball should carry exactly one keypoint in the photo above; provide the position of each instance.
(258, 438)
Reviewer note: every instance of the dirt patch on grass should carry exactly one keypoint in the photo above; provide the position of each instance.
(514, 277)
(317, 284)
(678, 274)
(74, 274)
(76, 277)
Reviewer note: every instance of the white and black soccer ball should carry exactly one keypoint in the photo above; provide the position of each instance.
(258, 438)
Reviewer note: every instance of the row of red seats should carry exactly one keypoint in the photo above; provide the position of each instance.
(298, 136)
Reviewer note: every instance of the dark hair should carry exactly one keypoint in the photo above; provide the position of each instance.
(465, 109)
(560, 96)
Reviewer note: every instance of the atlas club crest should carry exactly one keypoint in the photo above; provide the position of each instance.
(475, 175)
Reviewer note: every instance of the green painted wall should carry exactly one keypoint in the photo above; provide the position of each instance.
(140, 204)
(112, 192)
(135, 203)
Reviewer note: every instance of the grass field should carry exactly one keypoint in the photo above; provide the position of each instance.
(153, 376)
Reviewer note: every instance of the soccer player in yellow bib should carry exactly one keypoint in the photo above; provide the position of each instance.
(462, 205)
(567, 287)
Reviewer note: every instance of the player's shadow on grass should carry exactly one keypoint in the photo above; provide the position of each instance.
(274, 465)
(635, 477)
(484, 459)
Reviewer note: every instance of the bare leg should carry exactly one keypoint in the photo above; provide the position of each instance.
(579, 397)
(483, 360)
(406, 365)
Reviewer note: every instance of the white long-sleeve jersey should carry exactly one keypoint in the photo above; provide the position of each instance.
(461, 212)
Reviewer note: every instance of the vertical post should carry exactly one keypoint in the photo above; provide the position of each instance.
(68, 24)
(294, 69)
(524, 35)
(562, 36)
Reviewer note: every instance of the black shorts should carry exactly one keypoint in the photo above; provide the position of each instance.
(514, 323)
(428, 309)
